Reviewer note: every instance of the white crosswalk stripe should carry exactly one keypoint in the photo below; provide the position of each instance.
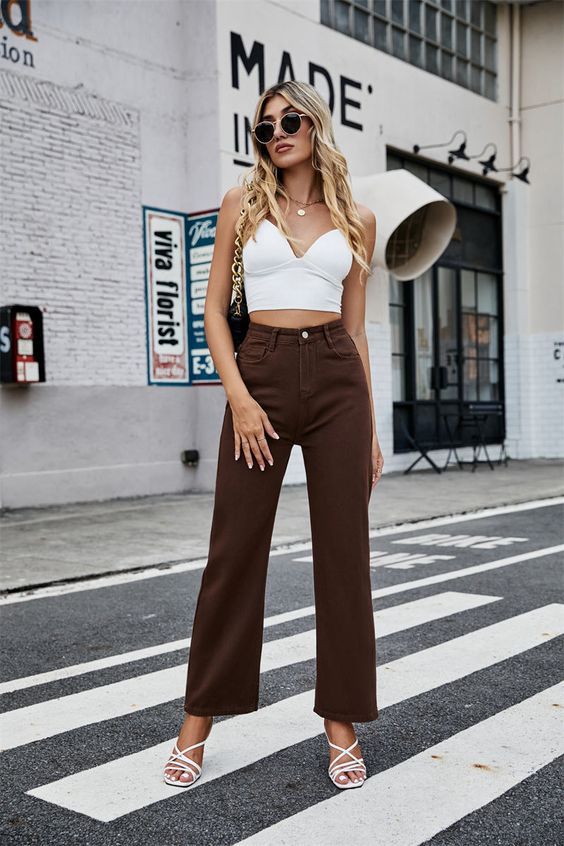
(442, 784)
(102, 793)
(439, 785)
(46, 719)
(274, 620)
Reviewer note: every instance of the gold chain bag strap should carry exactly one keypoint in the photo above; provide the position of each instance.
(238, 314)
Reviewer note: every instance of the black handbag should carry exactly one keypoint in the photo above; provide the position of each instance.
(238, 313)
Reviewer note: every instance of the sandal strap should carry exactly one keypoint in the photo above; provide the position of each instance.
(184, 762)
(348, 767)
(194, 745)
(176, 766)
(345, 765)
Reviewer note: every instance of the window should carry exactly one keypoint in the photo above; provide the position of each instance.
(480, 337)
(455, 39)
(397, 321)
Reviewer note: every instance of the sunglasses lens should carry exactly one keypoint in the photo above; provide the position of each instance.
(264, 132)
(290, 123)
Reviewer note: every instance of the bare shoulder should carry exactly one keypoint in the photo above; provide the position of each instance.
(368, 219)
(230, 209)
(232, 198)
(367, 216)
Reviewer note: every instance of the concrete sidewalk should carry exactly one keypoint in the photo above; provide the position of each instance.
(45, 545)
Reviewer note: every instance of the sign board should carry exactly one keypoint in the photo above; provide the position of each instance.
(200, 240)
(178, 254)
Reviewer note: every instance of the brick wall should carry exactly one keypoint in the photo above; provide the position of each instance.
(535, 399)
(72, 240)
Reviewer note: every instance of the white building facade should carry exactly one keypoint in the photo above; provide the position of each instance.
(114, 116)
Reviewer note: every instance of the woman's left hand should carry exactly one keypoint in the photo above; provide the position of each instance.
(377, 461)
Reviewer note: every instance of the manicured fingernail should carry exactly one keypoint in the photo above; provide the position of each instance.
(262, 466)
(270, 461)
(249, 465)
(274, 435)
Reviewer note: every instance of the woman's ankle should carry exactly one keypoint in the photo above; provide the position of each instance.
(196, 718)
(338, 723)
(195, 726)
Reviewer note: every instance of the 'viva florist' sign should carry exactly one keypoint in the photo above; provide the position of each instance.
(178, 254)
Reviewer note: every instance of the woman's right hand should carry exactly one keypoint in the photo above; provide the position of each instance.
(250, 427)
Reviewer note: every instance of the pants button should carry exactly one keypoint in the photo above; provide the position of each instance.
(305, 334)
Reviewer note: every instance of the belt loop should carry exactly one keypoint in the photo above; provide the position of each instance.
(327, 333)
(272, 339)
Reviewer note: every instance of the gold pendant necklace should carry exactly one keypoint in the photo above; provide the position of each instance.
(301, 211)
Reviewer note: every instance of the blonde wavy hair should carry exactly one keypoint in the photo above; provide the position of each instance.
(261, 183)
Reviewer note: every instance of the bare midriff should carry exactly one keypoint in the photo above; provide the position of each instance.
(292, 318)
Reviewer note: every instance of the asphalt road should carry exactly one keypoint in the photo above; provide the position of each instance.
(467, 748)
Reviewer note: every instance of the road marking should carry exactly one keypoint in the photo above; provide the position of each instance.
(113, 579)
(471, 570)
(461, 541)
(54, 716)
(104, 794)
(404, 560)
(306, 611)
(409, 804)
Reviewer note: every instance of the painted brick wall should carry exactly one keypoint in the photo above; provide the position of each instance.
(72, 241)
(535, 397)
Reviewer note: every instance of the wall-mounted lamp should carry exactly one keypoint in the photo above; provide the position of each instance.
(488, 164)
(460, 153)
(524, 173)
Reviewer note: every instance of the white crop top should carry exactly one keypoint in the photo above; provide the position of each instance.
(274, 277)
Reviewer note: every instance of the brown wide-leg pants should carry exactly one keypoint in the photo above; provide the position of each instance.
(312, 384)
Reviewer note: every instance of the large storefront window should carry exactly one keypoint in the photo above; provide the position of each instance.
(446, 324)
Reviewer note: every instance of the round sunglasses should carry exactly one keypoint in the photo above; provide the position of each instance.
(290, 123)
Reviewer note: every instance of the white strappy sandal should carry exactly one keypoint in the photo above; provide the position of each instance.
(346, 766)
(180, 761)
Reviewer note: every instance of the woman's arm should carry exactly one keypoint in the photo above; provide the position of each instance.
(354, 299)
(354, 318)
(218, 297)
(250, 421)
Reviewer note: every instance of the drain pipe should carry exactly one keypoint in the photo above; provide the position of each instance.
(515, 110)
(516, 264)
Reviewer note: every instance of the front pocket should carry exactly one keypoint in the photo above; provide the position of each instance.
(253, 349)
(344, 346)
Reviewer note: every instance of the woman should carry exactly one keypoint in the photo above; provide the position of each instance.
(301, 376)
